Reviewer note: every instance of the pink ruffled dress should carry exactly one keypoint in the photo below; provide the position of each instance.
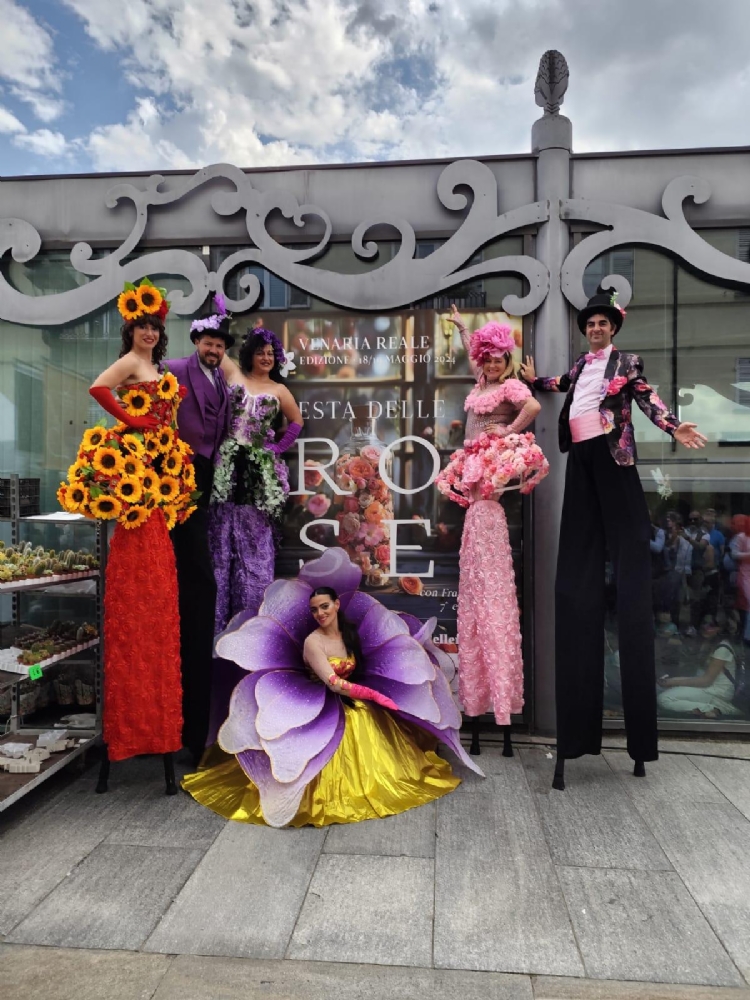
(489, 632)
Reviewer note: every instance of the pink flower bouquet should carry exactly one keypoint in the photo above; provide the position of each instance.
(490, 464)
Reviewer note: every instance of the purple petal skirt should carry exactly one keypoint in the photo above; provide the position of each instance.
(243, 553)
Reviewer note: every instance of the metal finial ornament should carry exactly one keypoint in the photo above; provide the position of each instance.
(551, 81)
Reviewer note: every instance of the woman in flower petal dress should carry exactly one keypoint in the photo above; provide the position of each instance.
(339, 711)
(496, 456)
(249, 492)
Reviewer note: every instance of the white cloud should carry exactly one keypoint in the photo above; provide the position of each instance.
(267, 82)
(43, 142)
(9, 122)
(28, 61)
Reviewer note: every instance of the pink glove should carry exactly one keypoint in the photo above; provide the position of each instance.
(107, 401)
(363, 693)
(523, 420)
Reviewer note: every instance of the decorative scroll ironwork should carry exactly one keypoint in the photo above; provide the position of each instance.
(400, 281)
(633, 226)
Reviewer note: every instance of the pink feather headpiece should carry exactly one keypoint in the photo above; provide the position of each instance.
(491, 339)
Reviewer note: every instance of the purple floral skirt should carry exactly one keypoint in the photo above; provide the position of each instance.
(243, 552)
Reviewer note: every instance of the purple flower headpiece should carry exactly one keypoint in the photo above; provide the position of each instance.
(214, 321)
(270, 338)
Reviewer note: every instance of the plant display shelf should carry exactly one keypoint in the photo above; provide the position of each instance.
(42, 582)
(9, 677)
(14, 786)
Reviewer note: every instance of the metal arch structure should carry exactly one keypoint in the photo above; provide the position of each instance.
(631, 226)
(398, 282)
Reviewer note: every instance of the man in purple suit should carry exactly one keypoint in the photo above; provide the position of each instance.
(203, 419)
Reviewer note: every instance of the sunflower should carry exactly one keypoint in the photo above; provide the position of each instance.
(78, 498)
(149, 481)
(107, 461)
(105, 508)
(132, 466)
(173, 463)
(185, 514)
(149, 298)
(168, 386)
(137, 402)
(188, 474)
(129, 489)
(119, 428)
(134, 445)
(134, 517)
(165, 439)
(93, 437)
(168, 489)
(77, 470)
(151, 445)
(170, 516)
(129, 305)
(62, 495)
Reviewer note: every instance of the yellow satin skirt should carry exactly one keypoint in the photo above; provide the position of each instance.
(382, 766)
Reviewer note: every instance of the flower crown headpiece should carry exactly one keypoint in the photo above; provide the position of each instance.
(283, 360)
(143, 299)
(492, 338)
(214, 321)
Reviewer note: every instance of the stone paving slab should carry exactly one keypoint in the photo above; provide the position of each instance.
(411, 834)
(498, 902)
(731, 777)
(244, 898)
(644, 926)
(708, 843)
(29, 973)
(40, 850)
(557, 988)
(159, 820)
(591, 824)
(367, 909)
(193, 978)
(113, 899)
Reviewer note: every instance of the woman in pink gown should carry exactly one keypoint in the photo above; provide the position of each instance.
(496, 456)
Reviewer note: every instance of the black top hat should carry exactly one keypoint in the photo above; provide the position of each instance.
(214, 320)
(604, 303)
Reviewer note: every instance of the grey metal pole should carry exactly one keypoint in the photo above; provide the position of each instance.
(551, 138)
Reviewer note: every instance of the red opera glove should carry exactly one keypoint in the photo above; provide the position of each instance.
(107, 401)
(362, 692)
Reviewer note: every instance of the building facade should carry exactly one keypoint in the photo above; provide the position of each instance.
(354, 267)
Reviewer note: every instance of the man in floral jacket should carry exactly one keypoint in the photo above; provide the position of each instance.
(604, 511)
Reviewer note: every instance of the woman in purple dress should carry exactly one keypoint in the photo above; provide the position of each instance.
(250, 488)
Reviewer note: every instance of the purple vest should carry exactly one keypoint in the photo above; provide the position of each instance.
(203, 416)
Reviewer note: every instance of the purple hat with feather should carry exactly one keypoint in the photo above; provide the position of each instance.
(213, 321)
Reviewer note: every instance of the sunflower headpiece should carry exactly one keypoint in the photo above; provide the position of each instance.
(143, 299)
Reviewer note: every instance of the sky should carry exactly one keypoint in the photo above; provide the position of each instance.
(123, 85)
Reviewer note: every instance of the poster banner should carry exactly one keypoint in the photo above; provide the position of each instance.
(383, 402)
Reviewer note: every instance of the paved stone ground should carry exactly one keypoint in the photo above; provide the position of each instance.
(616, 888)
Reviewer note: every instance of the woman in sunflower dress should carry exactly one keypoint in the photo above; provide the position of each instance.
(139, 475)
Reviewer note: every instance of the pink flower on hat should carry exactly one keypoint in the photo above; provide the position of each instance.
(492, 338)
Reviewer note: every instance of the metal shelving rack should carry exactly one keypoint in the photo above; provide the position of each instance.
(15, 786)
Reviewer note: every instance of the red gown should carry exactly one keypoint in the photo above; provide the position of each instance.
(142, 683)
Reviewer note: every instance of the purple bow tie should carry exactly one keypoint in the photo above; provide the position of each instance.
(600, 355)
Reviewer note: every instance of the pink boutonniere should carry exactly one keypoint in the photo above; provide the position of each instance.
(615, 385)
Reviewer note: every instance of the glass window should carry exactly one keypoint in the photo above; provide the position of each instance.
(693, 337)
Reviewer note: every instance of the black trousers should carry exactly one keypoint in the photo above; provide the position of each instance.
(604, 509)
(197, 597)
